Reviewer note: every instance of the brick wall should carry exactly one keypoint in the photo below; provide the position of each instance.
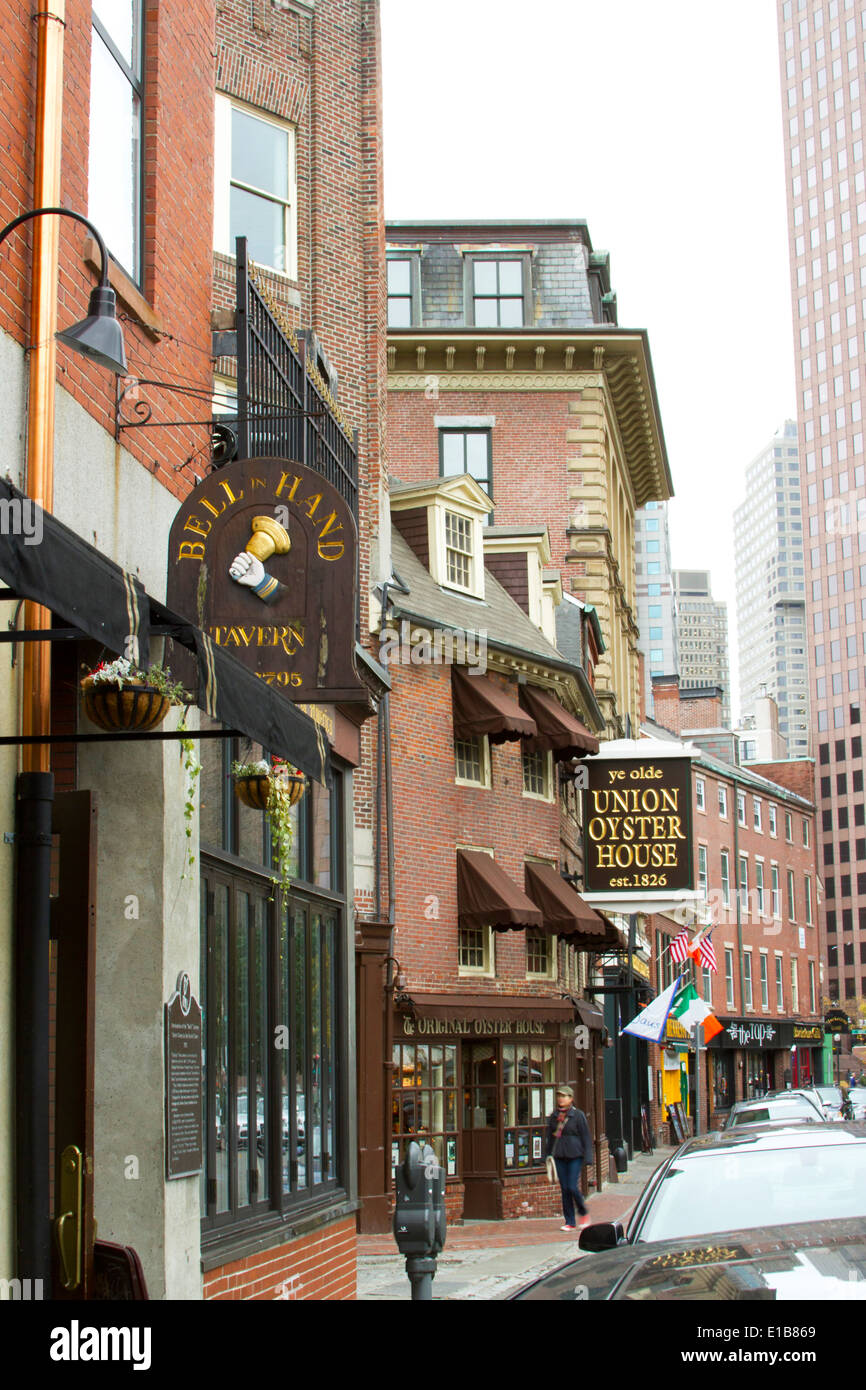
(314, 1267)
(797, 774)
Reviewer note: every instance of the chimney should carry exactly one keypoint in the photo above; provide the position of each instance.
(666, 702)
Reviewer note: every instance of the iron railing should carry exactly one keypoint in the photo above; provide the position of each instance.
(284, 407)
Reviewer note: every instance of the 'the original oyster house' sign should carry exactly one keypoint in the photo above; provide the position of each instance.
(262, 557)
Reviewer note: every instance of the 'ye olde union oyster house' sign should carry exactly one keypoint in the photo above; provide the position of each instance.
(263, 557)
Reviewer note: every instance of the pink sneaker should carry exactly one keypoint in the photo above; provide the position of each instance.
(566, 1228)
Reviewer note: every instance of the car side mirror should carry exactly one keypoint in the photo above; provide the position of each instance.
(605, 1235)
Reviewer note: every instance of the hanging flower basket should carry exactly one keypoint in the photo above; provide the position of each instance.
(118, 696)
(275, 788)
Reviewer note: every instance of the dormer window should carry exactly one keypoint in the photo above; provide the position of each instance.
(497, 291)
(458, 550)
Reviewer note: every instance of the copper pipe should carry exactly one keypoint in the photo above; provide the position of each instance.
(36, 660)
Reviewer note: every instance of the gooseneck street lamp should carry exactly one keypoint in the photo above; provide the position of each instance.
(98, 337)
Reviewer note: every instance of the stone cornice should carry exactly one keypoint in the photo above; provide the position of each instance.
(503, 360)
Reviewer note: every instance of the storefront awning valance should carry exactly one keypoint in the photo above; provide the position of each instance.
(466, 1008)
(564, 911)
(589, 1014)
(558, 731)
(483, 707)
(102, 601)
(487, 897)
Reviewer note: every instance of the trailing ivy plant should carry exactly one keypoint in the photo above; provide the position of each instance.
(278, 810)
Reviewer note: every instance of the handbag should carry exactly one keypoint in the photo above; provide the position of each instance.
(551, 1168)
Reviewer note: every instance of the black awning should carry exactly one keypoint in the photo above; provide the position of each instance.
(558, 730)
(103, 601)
(487, 897)
(62, 572)
(565, 913)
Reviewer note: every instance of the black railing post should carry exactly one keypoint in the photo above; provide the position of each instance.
(242, 325)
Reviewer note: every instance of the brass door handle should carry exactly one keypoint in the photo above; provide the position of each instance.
(69, 1225)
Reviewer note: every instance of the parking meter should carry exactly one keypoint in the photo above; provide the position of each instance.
(419, 1216)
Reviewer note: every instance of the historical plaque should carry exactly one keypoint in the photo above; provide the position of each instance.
(263, 558)
(183, 1110)
(638, 825)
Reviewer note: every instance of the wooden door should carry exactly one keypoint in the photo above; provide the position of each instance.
(73, 950)
(481, 1134)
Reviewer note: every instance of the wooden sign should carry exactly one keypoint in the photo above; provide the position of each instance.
(263, 557)
(637, 834)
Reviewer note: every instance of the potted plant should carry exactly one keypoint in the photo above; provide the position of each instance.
(118, 695)
(274, 787)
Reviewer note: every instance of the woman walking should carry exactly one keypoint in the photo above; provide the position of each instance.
(570, 1145)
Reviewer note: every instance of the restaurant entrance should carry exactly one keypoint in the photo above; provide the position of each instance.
(480, 1136)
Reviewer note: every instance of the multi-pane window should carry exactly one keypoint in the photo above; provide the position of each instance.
(723, 802)
(497, 293)
(726, 878)
(466, 451)
(540, 953)
(458, 550)
(795, 987)
(813, 1001)
(776, 896)
(789, 827)
(707, 982)
(765, 984)
(254, 186)
(747, 979)
(791, 904)
(805, 832)
(529, 1093)
(536, 773)
(729, 978)
(807, 881)
(401, 297)
(471, 760)
(475, 950)
(757, 812)
(759, 885)
(114, 169)
(703, 877)
(700, 796)
(771, 816)
(424, 1101)
(780, 992)
(741, 808)
(744, 883)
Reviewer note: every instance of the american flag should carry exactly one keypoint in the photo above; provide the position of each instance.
(707, 953)
(679, 947)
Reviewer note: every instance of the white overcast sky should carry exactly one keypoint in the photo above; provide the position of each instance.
(659, 122)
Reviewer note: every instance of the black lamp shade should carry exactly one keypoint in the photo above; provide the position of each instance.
(99, 336)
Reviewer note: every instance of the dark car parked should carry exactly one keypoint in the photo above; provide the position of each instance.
(726, 1198)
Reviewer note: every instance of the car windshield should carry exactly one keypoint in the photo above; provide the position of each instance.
(744, 1187)
(830, 1095)
(857, 1094)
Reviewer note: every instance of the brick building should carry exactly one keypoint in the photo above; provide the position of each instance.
(754, 847)
(161, 893)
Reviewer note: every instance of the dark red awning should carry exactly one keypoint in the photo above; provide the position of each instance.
(558, 730)
(483, 707)
(487, 897)
(564, 911)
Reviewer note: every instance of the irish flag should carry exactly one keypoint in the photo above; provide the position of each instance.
(690, 1010)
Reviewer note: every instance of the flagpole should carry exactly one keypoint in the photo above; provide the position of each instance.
(698, 1028)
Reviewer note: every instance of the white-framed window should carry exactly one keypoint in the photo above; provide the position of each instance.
(795, 987)
(726, 878)
(789, 827)
(772, 819)
(791, 901)
(729, 978)
(255, 185)
(747, 979)
(114, 173)
(806, 835)
(475, 954)
(808, 887)
(759, 885)
(703, 875)
(765, 981)
(472, 761)
(458, 550)
(540, 954)
(780, 990)
(775, 895)
(743, 882)
(700, 794)
(741, 808)
(813, 998)
(757, 812)
(538, 774)
(723, 802)
(707, 986)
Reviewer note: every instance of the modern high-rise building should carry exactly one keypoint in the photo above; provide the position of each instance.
(771, 597)
(702, 636)
(823, 71)
(656, 613)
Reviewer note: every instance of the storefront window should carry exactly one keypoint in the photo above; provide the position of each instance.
(723, 1080)
(758, 1074)
(530, 1096)
(424, 1101)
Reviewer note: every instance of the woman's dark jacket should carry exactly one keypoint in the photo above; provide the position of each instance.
(575, 1140)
